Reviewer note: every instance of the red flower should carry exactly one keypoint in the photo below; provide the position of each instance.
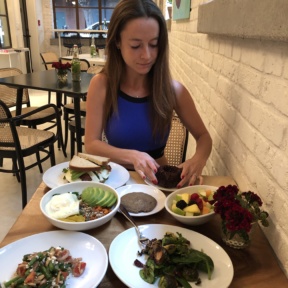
(61, 66)
(239, 210)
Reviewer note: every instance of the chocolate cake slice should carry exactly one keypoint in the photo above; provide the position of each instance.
(168, 176)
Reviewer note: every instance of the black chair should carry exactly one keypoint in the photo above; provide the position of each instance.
(17, 142)
(72, 129)
(8, 95)
(69, 39)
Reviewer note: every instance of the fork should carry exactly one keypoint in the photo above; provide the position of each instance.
(141, 239)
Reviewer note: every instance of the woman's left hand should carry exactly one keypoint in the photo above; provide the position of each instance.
(191, 172)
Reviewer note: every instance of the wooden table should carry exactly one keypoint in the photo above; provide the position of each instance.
(47, 81)
(254, 267)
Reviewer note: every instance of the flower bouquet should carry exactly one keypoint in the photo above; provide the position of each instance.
(61, 70)
(239, 212)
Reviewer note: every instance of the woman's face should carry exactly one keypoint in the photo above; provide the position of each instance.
(139, 44)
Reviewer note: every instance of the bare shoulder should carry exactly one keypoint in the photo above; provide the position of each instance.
(180, 89)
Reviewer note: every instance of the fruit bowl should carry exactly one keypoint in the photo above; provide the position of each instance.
(79, 187)
(191, 214)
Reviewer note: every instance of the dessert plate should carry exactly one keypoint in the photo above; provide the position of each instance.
(156, 193)
(147, 181)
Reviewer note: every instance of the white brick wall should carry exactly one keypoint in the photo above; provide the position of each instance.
(241, 90)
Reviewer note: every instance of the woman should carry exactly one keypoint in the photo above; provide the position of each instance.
(133, 99)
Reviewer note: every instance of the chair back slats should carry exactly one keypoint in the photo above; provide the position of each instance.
(84, 64)
(48, 58)
(94, 69)
(69, 39)
(175, 150)
(8, 94)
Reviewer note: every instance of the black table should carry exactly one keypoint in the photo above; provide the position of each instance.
(47, 81)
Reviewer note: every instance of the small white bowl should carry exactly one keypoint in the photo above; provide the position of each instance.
(78, 187)
(189, 220)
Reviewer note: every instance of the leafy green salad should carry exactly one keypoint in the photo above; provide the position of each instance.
(173, 261)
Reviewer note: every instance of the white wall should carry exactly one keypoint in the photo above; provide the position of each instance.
(240, 88)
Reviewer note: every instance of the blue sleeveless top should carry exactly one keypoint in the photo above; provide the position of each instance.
(131, 128)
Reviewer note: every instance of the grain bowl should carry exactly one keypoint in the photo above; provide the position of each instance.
(60, 192)
(188, 212)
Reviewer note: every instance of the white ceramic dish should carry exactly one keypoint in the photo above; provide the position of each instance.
(156, 193)
(189, 220)
(53, 177)
(122, 259)
(78, 187)
(159, 187)
(79, 244)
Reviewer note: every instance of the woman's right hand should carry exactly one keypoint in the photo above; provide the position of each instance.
(145, 166)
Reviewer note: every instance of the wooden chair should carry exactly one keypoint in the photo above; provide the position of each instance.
(175, 150)
(17, 142)
(48, 58)
(47, 116)
(84, 64)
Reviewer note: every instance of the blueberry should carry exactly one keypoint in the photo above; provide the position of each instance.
(181, 204)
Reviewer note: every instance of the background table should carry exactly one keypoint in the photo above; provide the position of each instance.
(254, 267)
(47, 81)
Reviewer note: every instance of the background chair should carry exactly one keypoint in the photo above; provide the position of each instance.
(84, 64)
(68, 110)
(48, 58)
(69, 39)
(17, 142)
(175, 150)
(72, 129)
(47, 116)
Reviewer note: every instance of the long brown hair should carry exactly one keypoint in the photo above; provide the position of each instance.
(161, 91)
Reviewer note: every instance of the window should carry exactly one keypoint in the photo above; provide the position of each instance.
(5, 39)
(82, 14)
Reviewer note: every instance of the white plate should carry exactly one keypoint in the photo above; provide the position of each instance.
(159, 187)
(79, 244)
(123, 252)
(156, 193)
(53, 177)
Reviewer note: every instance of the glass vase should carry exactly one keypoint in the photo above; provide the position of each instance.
(237, 239)
(62, 75)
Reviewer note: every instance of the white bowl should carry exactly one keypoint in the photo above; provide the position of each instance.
(78, 187)
(189, 220)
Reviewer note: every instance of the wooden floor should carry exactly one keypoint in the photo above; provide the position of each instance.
(10, 189)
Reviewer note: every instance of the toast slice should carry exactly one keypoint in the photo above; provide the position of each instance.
(99, 160)
(82, 165)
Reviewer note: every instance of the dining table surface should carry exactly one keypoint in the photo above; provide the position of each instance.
(47, 81)
(93, 61)
(255, 266)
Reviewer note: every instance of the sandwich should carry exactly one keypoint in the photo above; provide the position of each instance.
(87, 167)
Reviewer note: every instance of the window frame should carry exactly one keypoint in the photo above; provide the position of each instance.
(77, 7)
(8, 27)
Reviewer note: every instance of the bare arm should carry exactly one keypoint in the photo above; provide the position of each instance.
(186, 110)
(145, 165)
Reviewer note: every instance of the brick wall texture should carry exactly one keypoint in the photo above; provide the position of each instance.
(240, 87)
